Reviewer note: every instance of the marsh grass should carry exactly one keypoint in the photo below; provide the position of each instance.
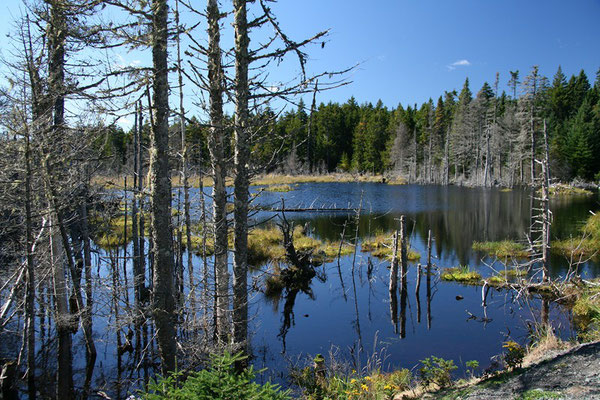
(502, 249)
(542, 347)
(342, 382)
(266, 244)
(117, 181)
(587, 244)
(279, 188)
(110, 233)
(561, 189)
(278, 179)
(586, 314)
(461, 274)
(380, 246)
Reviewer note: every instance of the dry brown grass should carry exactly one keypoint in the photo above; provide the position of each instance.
(546, 347)
(279, 179)
(117, 181)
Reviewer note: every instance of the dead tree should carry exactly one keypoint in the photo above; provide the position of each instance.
(160, 192)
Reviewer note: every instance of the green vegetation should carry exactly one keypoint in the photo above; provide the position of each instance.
(461, 274)
(380, 246)
(561, 189)
(110, 233)
(502, 249)
(513, 357)
(507, 275)
(218, 381)
(375, 385)
(539, 394)
(588, 244)
(266, 244)
(586, 314)
(436, 371)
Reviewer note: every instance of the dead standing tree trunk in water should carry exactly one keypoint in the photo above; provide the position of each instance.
(546, 214)
(217, 158)
(160, 193)
(242, 179)
(184, 173)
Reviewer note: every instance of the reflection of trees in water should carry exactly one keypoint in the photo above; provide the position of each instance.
(465, 215)
(286, 284)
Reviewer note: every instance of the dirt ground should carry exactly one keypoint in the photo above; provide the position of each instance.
(574, 374)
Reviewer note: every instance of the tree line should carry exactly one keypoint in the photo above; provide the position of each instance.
(486, 138)
(483, 138)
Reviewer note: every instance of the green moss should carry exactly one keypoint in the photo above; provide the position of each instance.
(462, 274)
(540, 394)
(501, 249)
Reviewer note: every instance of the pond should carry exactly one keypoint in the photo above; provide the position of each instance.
(348, 311)
(345, 308)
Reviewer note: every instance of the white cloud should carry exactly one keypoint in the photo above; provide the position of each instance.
(458, 63)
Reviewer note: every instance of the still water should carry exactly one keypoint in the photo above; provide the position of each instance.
(348, 310)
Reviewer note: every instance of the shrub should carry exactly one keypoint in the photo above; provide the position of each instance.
(436, 371)
(514, 355)
(472, 366)
(219, 381)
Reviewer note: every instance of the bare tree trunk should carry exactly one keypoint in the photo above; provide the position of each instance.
(64, 387)
(309, 131)
(393, 286)
(30, 299)
(184, 172)
(87, 315)
(137, 278)
(487, 157)
(160, 194)
(242, 178)
(446, 158)
(217, 158)
(141, 277)
(546, 216)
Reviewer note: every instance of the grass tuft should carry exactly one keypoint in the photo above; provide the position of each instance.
(380, 246)
(279, 188)
(501, 249)
(461, 274)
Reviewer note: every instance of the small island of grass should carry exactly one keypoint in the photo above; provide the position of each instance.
(380, 246)
(461, 274)
(502, 249)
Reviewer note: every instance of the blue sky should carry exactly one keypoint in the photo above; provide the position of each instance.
(410, 51)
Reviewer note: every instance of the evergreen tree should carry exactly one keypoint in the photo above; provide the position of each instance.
(583, 142)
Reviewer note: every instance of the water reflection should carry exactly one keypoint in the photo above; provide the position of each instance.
(357, 309)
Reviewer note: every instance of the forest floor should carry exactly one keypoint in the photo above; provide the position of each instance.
(571, 374)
